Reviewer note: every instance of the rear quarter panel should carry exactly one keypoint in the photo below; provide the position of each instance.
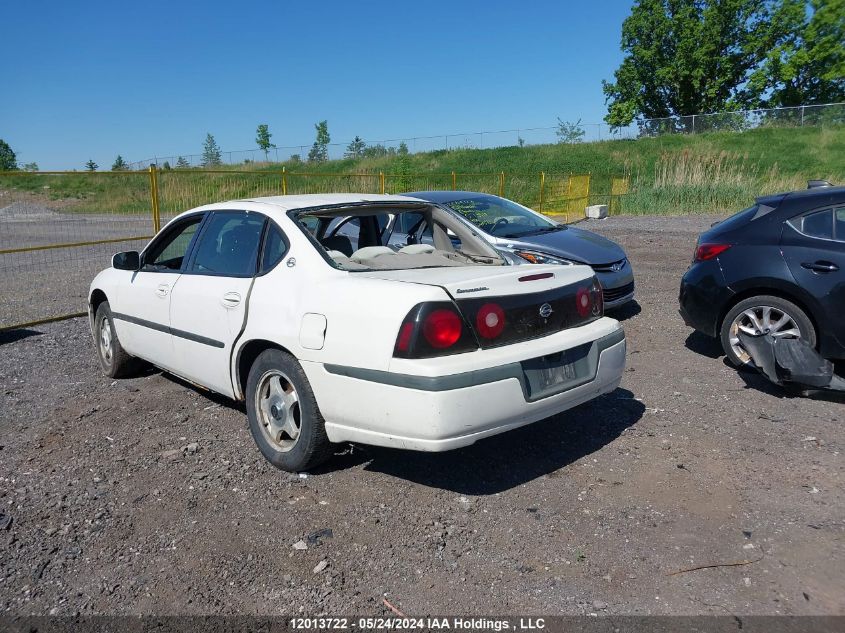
(363, 315)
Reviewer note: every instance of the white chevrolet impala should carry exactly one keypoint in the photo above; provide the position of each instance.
(296, 305)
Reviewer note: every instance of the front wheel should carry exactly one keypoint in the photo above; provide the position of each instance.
(114, 360)
(757, 315)
(284, 419)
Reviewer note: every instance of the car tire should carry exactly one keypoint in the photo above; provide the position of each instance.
(284, 418)
(777, 309)
(114, 360)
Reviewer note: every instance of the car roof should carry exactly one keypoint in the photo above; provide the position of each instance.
(283, 204)
(822, 194)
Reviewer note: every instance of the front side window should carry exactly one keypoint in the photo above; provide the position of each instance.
(229, 244)
(501, 217)
(168, 253)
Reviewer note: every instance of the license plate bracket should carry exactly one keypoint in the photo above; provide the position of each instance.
(554, 373)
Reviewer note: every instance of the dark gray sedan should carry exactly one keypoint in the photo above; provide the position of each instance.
(533, 238)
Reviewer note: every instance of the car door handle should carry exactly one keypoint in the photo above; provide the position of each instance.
(231, 300)
(820, 267)
(162, 290)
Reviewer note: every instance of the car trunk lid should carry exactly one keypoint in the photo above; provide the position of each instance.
(507, 307)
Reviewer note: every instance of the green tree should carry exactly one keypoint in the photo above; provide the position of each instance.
(91, 165)
(211, 154)
(319, 152)
(807, 64)
(8, 160)
(181, 163)
(687, 57)
(166, 165)
(31, 167)
(119, 164)
(403, 149)
(356, 148)
(262, 139)
(569, 132)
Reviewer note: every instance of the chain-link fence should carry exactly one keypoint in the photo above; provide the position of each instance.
(577, 132)
(58, 229)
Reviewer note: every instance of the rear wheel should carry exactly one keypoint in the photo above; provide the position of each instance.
(284, 419)
(757, 315)
(114, 360)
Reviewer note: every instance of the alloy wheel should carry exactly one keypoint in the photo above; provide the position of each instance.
(277, 405)
(758, 320)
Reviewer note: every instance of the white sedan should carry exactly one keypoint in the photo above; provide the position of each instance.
(427, 347)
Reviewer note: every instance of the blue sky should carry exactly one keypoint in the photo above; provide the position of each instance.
(94, 79)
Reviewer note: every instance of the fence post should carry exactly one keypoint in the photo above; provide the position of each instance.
(454, 181)
(589, 178)
(502, 185)
(381, 181)
(154, 198)
(802, 116)
(542, 188)
(284, 182)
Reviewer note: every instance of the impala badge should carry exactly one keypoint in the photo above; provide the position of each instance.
(546, 310)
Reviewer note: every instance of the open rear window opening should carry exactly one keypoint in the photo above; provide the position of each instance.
(393, 236)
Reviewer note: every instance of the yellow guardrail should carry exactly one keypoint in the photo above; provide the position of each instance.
(56, 227)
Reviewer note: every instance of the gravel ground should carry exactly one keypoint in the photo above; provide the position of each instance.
(147, 496)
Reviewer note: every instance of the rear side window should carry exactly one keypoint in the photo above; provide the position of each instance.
(275, 247)
(816, 224)
(819, 224)
(839, 222)
(229, 244)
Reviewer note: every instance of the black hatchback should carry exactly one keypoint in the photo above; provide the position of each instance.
(778, 266)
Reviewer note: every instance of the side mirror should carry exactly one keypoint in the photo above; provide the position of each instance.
(129, 260)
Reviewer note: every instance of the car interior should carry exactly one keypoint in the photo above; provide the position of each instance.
(371, 237)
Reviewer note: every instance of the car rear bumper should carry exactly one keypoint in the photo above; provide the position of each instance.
(440, 413)
(702, 297)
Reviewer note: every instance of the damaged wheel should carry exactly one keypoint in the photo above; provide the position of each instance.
(758, 315)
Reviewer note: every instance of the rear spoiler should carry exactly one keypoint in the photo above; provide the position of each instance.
(813, 184)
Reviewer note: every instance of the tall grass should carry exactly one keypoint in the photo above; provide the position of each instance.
(669, 174)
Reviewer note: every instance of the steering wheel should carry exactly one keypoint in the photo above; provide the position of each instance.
(498, 223)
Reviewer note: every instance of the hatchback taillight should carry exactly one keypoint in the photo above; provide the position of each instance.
(433, 329)
(708, 251)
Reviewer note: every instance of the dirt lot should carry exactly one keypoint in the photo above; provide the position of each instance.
(148, 496)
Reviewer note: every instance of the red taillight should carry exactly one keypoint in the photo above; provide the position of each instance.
(583, 302)
(709, 251)
(490, 320)
(442, 328)
(406, 334)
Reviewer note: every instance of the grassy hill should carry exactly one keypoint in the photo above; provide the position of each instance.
(669, 174)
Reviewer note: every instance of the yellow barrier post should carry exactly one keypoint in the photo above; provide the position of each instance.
(381, 181)
(502, 185)
(454, 181)
(154, 198)
(542, 188)
(589, 178)
(284, 182)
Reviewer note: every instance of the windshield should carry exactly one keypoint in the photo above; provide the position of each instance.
(501, 217)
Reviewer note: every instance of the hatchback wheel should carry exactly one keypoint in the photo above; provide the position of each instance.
(757, 315)
(284, 419)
